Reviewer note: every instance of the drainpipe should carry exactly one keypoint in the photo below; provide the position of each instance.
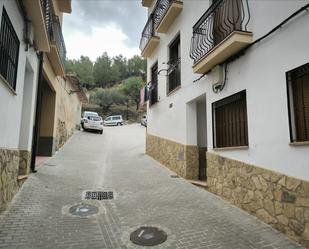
(36, 127)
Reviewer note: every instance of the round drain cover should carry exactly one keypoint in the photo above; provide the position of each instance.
(148, 236)
(83, 210)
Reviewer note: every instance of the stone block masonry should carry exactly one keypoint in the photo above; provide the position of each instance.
(277, 199)
(24, 162)
(12, 164)
(180, 158)
(9, 167)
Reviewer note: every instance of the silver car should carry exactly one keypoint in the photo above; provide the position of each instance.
(113, 120)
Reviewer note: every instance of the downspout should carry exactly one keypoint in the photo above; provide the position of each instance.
(36, 127)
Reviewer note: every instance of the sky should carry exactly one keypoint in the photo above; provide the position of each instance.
(96, 26)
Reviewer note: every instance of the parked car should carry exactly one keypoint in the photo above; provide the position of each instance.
(113, 120)
(144, 121)
(85, 116)
(92, 121)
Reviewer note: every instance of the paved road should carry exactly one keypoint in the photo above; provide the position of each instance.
(144, 192)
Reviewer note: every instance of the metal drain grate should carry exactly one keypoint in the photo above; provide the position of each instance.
(148, 236)
(99, 195)
(174, 176)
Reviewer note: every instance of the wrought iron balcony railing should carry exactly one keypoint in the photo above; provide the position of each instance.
(57, 37)
(148, 33)
(221, 19)
(53, 28)
(47, 12)
(161, 8)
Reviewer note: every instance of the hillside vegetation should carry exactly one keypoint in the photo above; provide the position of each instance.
(113, 83)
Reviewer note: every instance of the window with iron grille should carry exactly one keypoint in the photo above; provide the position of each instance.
(174, 66)
(153, 92)
(230, 121)
(298, 98)
(9, 50)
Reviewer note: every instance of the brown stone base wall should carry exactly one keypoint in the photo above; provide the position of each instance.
(180, 158)
(24, 162)
(277, 199)
(9, 167)
(63, 134)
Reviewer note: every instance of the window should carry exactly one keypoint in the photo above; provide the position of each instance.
(298, 93)
(153, 91)
(174, 65)
(230, 121)
(9, 50)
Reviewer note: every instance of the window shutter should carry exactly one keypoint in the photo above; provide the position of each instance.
(230, 115)
(299, 80)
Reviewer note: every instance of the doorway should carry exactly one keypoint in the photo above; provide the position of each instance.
(46, 140)
(201, 133)
(197, 135)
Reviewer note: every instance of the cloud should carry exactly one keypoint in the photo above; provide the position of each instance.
(90, 15)
(108, 39)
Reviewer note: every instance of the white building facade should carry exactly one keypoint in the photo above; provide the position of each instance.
(27, 30)
(229, 102)
(18, 83)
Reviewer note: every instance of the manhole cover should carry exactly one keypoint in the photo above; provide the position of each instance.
(148, 236)
(99, 195)
(174, 176)
(83, 210)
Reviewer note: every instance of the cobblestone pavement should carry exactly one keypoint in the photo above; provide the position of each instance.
(144, 192)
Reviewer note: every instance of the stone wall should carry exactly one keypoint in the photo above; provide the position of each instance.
(180, 158)
(277, 199)
(24, 162)
(9, 167)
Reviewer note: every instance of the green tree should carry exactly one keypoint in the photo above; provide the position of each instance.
(137, 66)
(105, 98)
(120, 62)
(83, 68)
(70, 66)
(131, 87)
(104, 73)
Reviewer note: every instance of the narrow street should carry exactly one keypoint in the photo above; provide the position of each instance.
(144, 194)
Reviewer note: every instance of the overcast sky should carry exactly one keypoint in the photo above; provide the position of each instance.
(95, 26)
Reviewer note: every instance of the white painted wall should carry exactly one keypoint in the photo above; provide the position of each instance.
(27, 119)
(11, 103)
(261, 71)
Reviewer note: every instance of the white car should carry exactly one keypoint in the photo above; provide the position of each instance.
(113, 120)
(92, 121)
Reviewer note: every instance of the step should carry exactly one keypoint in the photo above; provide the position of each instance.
(22, 177)
(202, 184)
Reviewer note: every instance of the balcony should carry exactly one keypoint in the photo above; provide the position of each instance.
(220, 33)
(37, 12)
(147, 3)
(65, 6)
(149, 41)
(57, 46)
(165, 12)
